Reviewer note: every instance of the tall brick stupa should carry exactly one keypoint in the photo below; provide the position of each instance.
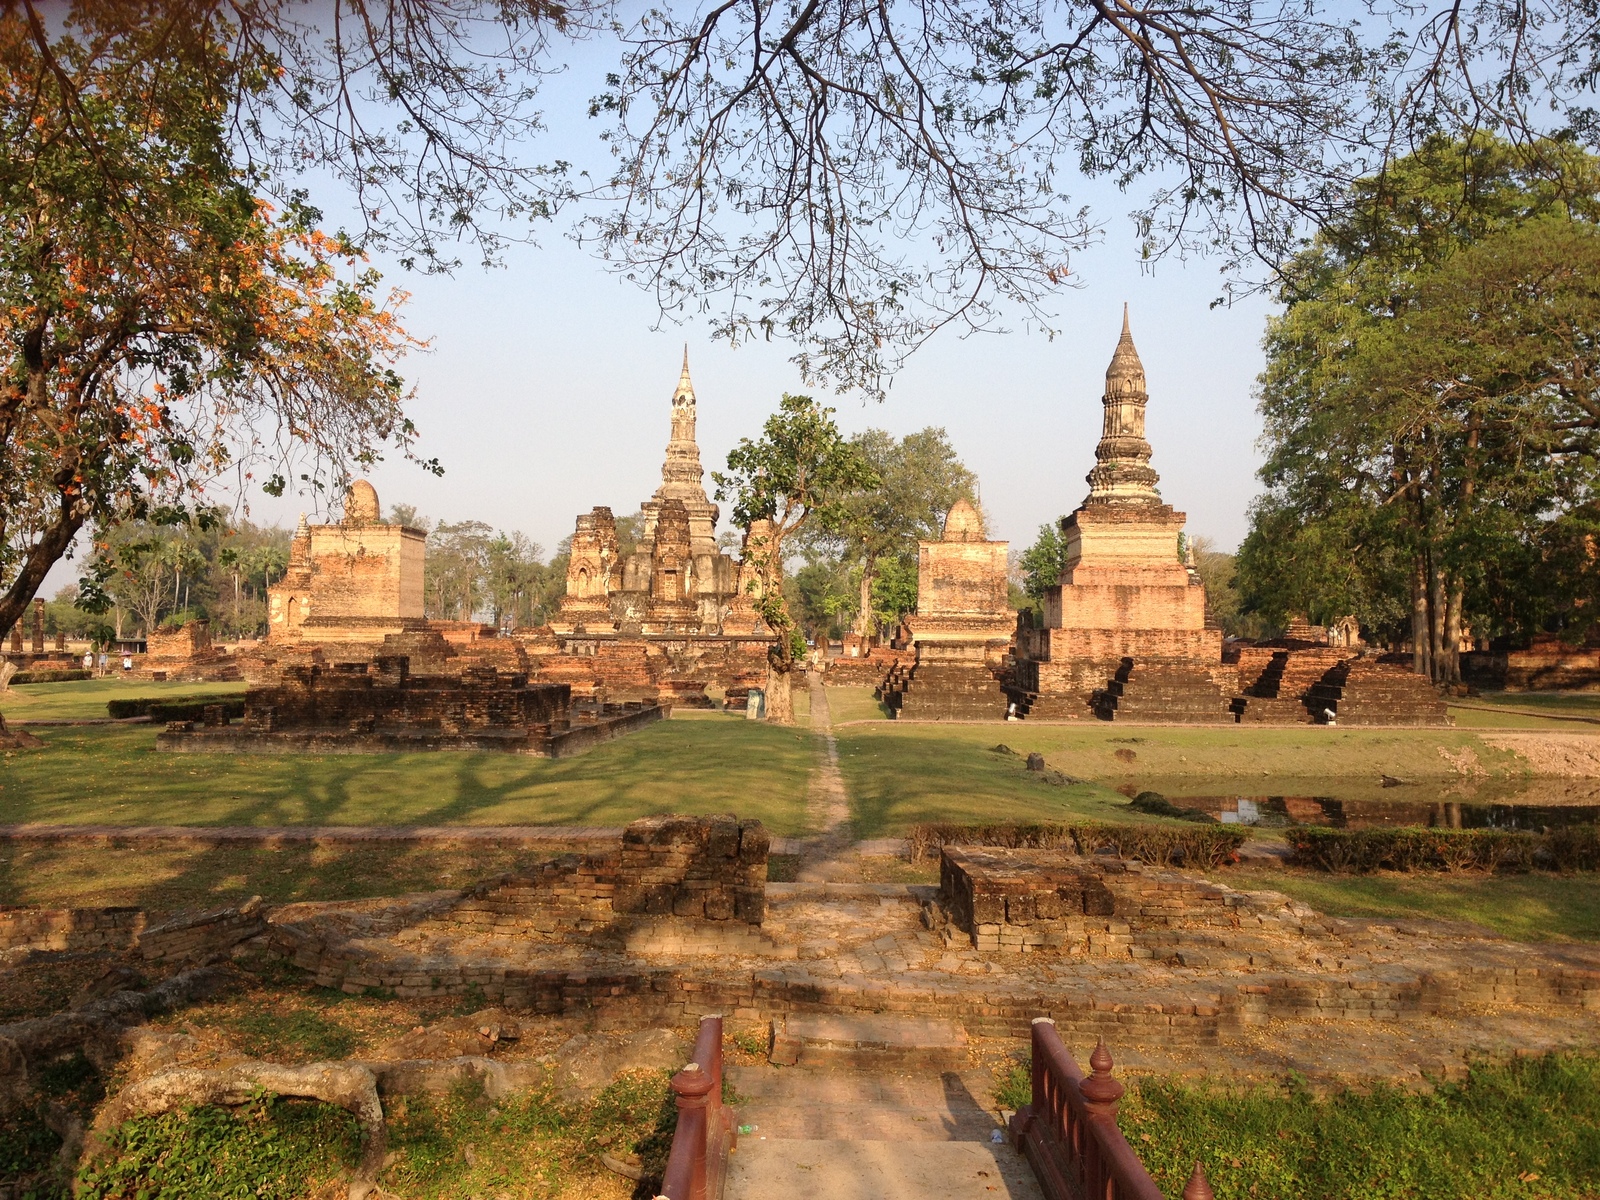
(1125, 632)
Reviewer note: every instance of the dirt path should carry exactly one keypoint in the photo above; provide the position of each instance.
(827, 804)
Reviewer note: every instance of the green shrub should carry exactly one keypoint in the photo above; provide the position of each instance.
(175, 708)
(273, 1149)
(1160, 845)
(47, 676)
(1360, 851)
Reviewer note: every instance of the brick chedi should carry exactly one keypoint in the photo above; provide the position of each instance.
(669, 617)
(962, 628)
(1125, 632)
(351, 582)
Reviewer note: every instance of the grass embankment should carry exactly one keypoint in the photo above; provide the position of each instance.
(86, 698)
(115, 775)
(164, 876)
(1532, 908)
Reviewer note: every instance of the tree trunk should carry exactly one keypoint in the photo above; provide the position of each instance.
(1455, 598)
(1419, 619)
(780, 696)
(16, 739)
(1436, 621)
(864, 622)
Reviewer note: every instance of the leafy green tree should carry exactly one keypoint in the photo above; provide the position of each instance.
(822, 597)
(1041, 564)
(801, 471)
(894, 590)
(514, 576)
(160, 322)
(1425, 397)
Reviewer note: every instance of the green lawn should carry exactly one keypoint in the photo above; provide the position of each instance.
(1480, 718)
(1530, 1128)
(1583, 704)
(87, 697)
(855, 704)
(900, 774)
(1534, 907)
(166, 877)
(114, 774)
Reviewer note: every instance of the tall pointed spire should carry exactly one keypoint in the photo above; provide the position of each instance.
(682, 477)
(685, 392)
(1122, 473)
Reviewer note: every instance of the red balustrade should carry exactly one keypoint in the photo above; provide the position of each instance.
(706, 1131)
(1070, 1132)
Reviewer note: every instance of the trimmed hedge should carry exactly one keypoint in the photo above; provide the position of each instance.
(62, 676)
(1359, 851)
(175, 708)
(1160, 845)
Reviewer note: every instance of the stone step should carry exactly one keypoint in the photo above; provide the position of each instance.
(878, 1170)
(876, 1042)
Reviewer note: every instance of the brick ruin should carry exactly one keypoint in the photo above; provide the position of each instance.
(1547, 663)
(961, 631)
(352, 582)
(670, 618)
(24, 645)
(1126, 633)
(379, 705)
(187, 654)
(700, 869)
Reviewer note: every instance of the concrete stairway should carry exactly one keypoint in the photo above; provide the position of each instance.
(857, 1131)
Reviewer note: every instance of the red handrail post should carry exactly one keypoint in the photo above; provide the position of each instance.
(685, 1177)
(1069, 1132)
(706, 1131)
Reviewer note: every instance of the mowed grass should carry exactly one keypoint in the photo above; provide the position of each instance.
(1531, 908)
(164, 876)
(1472, 717)
(86, 698)
(901, 774)
(1529, 1128)
(115, 775)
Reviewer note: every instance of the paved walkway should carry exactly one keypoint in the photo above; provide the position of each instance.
(835, 1135)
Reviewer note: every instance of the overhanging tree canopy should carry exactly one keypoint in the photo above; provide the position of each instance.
(172, 326)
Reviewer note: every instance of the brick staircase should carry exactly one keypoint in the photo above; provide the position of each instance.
(949, 692)
(868, 670)
(1278, 695)
(1181, 693)
(1364, 691)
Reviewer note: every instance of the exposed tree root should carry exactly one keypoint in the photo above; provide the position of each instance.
(96, 1027)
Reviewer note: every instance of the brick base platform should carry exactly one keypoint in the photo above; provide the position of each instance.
(1176, 692)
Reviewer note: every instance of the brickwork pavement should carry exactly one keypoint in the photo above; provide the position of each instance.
(882, 1135)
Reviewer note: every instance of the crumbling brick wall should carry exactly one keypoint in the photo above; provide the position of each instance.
(700, 868)
(711, 867)
(69, 928)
